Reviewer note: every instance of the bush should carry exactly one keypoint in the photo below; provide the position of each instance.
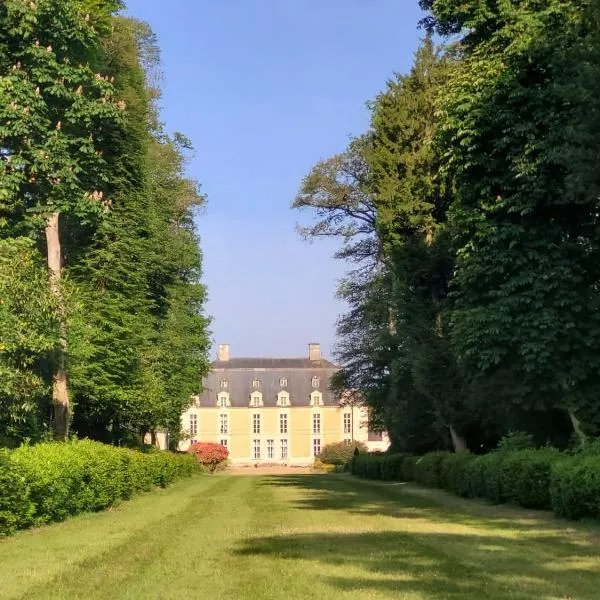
(454, 473)
(409, 467)
(525, 477)
(340, 453)
(516, 440)
(428, 469)
(51, 481)
(209, 454)
(321, 466)
(544, 478)
(575, 486)
(391, 467)
(16, 509)
(490, 465)
(367, 465)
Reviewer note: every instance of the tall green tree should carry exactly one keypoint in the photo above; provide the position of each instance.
(28, 338)
(521, 140)
(58, 113)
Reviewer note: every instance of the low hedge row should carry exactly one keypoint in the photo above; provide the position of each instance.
(52, 481)
(544, 478)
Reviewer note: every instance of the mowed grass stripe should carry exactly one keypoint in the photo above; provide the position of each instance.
(228, 537)
(36, 556)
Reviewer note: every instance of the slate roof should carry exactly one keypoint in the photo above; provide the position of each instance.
(240, 372)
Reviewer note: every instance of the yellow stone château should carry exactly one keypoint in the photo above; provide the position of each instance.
(274, 410)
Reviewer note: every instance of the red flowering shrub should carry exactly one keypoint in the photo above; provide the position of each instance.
(209, 454)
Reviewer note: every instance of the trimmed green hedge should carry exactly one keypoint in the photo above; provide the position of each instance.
(52, 481)
(575, 487)
(544, 478)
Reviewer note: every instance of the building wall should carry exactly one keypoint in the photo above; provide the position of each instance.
(300, 436)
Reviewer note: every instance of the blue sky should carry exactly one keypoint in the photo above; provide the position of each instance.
(265, 89)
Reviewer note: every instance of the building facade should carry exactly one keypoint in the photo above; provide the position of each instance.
(274, 410)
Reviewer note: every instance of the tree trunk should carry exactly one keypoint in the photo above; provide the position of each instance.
(577, 427)
(60, 393)
(459, 443)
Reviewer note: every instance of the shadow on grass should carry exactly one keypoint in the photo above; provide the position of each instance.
(446, 554)
(406, 501)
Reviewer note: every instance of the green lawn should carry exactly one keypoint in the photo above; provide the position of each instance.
(303, 536)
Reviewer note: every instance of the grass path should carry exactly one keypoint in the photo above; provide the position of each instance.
(303, 536)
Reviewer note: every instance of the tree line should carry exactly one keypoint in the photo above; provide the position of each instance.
(102, 330)
(469, 216)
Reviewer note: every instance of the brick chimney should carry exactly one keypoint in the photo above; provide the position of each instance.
(314, 351)
(223, 352)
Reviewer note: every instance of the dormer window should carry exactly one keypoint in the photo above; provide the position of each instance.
(283, 399)
(256, 384)
(316, 398)
(256, 399)
(224, 384)
(315, 381)
(223, 400)
(283, 382)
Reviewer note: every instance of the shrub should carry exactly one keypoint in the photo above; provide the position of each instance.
(367, 465)
(340, 453)
(409, 467)
(209, 454)
(516, 440)
(454, 472)
(428, 469)
(575, 486)
(391, 467)
(525, 477)
(321, 466)
(490, 465)
(51, 481)
(16, 509)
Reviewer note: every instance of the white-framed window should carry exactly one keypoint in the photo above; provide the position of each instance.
(256, 399)
(283, 382)
(284, 448)
(255, 423)
(224, 384)
(316, 423)
(193, 424)
(347, 423)
(316, 447)
(316, 398)
(256, 384)
(315, 381)
(347, 441)
(223, 443)
(223, 400)
(283, 399)
(256, 448)
(283, 423)
(222, 423)
(270, 448)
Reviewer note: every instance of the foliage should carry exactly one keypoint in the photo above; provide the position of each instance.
(28, 337)
(16, 508)
(516, 440)
(52, 481)
(318, 465)
(518, 139)
(340, 453)
(544, 478)
(209, 454)
(428, 469)
(455, 473)
(575, 487)
(81, 137)
(525, 477)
